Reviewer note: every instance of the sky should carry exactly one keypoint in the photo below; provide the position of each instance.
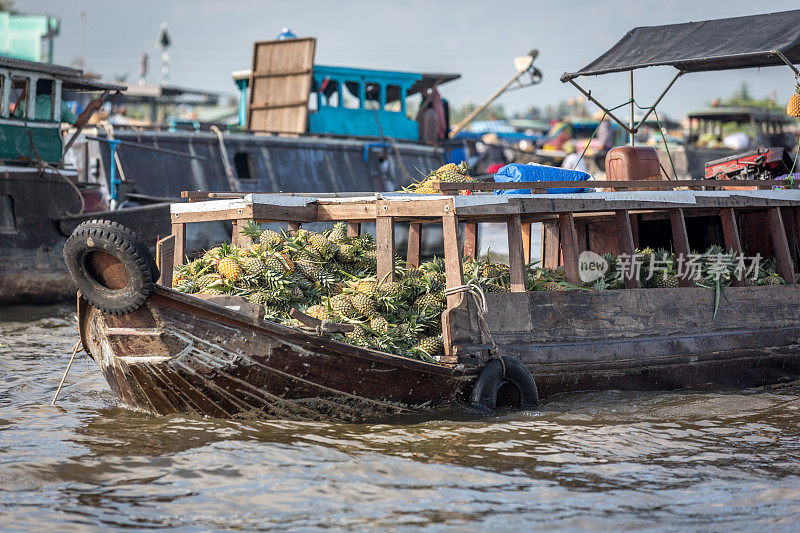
(478, 39)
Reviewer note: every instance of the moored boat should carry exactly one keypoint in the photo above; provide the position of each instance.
(217, 356)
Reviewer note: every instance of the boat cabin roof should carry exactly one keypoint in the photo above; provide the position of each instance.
(739, 114)
(71, 79)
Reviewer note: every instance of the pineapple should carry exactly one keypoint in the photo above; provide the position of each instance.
(379, 325)
(229, 268)
(254, 266)
(367, 287)
(670, 281)
(431, 346)
(358, 335)
(207, 281)
(258, 298)
(319, 312)
(338, 232)
(432, 303)
(346, 253)
(320, 244)
(342, 306)
(270, 238)
(553, 286)
(364, 305)
(793, 109)
(772, 279)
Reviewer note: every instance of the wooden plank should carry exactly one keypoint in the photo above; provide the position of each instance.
(453, 275)
(606, 184)
(179, 232)
(551, 244)
(414, 245)
(635, 229)
(384, 236)
(790, 223)
(470, 240)
(626, 244)
(680, 241)
(569, 246)
(730, 232)
(526, 242)
(353, 229)
(783, 255)
(165, 258)
(237, 238)
(516, 254)
(213, 216)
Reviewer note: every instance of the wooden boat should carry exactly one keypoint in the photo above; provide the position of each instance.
(181, 353)
(42, 200)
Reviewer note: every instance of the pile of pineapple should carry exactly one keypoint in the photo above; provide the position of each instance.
(448, 172)
(333, 277)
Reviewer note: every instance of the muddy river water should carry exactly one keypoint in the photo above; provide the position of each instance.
(727, 460)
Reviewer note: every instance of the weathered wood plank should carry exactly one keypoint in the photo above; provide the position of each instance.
(384, 236)
(551, 244)
(413, 251)
(453, 274)
(179, 232)
(569, 246)
(783, 255)
(680, 241)
(516, 254)
(165, 257)
(730, 231)
(626, 244)
(470, 240)
(526, 242)
(353, 229)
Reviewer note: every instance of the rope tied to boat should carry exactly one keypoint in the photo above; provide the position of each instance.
(322, 328)
(473, 288)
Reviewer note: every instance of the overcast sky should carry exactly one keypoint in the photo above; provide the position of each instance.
(479, 39)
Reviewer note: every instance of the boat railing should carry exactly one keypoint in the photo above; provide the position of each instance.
(459, 216)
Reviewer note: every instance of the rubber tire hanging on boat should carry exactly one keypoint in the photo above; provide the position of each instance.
(131, 254)
(491, 378)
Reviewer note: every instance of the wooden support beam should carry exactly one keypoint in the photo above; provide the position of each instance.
(569, 246)
(783, 255)
(384, 235)
(551, 244)
(165, 257)
(680, 241)
(237, 237)
(453, 275)
(789, 215)
(470, 240)
(635, 229)
(516, 254)
(730, 231)
(353, 229)
(526, 242)
(294, 227)
(626, 244)
(414, 245)
(179, 231)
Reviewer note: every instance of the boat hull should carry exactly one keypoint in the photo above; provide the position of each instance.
(179, 354)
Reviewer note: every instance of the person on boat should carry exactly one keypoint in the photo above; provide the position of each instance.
(493, 156)
(432, 118)
(44, 104)
(573, 160)
(604, 142)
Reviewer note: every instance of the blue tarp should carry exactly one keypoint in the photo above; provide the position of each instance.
(516, 172)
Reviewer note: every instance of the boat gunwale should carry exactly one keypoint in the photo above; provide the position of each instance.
(298, 336)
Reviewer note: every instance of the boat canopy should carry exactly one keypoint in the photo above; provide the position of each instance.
(71, 79)
(722, 44)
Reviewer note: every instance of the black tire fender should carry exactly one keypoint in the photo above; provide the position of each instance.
(497, 373)
(111, 266)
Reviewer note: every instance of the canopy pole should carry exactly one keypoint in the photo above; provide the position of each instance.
(588, 94)
(789, 63)
(658, 101)
(630, 119)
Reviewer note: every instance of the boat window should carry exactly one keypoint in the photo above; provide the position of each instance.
(330, 92)
(393, 98)
(8, 223)
(373, 95)
(312, 101)
(352, 99)
(18, 96)
(244, 166)
(44, 99)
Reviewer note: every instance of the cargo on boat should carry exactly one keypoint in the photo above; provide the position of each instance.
(164, 351)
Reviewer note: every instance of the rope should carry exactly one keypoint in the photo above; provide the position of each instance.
(322, 328)
(605, 113)
(109, 129)
(473, 288)
(663, 138)
(78, 347)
